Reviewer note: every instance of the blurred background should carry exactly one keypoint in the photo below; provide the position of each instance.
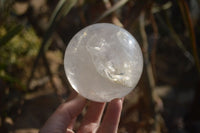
(34, 35)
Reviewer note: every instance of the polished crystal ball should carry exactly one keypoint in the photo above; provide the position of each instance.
(103, 62)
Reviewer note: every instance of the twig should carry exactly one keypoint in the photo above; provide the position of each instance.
(168, 28)
(188, 22)
(145, 48)
(46, 64)
(115, 20)
(154, 46)
(112, 9)
(157, 9)
(178, 41)
(62, 8)
(149, 82)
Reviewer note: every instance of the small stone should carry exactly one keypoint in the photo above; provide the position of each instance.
(103, 62)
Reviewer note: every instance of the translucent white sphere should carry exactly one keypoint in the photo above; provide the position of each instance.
(103, 62)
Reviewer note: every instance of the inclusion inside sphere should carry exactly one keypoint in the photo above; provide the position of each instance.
(103, 62)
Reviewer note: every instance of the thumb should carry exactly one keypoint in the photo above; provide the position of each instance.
(62, 117)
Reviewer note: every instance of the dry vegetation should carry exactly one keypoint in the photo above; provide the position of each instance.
(35, 33)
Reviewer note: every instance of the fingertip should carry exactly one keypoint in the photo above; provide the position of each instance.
(69, 131)
(77, 100)
(117, 101)
(81, 98)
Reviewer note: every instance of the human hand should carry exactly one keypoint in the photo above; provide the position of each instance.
(63, 118)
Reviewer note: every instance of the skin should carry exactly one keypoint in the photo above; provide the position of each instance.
(63, 119)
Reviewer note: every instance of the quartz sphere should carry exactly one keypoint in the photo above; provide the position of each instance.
(103, 62)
